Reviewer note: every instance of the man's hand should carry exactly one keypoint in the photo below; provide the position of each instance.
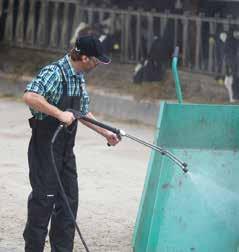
(112, 138)
(66, 117)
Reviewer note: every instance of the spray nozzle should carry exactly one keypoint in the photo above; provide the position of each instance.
(184, 168)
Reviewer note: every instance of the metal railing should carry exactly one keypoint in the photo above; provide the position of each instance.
(49, 25)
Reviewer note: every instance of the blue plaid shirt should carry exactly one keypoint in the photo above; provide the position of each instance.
(49, 84)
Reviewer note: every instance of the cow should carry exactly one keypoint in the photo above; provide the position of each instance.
(231, 80)
(154, 66)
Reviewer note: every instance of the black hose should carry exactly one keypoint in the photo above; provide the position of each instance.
(60, 127)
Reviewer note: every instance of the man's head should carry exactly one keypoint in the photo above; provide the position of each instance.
(88, 53)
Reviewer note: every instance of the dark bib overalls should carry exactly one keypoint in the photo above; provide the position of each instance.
(45, 201)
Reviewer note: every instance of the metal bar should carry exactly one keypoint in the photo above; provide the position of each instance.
(30, 32)
(198, 43)
(101, 16)
(211, 46)
(126, 41)
(175, 32)
(76, 21)
(185, 40)
(138, 40)
(90, 15)
(160, 150)
(19, 34)
(41, 30)
(163, 22)
(54, 27)
(122, 55)
(64, 40)
(150, 31)
(113, 22)
(1, 8)
(130, 42)
(8, 32)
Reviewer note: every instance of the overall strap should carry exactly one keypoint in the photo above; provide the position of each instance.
(70, 101)
(64, 79)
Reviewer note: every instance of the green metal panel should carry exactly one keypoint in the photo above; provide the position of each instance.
(198, 211)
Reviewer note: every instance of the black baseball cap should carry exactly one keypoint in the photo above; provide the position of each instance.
(91, 47)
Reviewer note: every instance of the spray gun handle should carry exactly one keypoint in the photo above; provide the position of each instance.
(77, 115)
(102, 125)
(73, 125)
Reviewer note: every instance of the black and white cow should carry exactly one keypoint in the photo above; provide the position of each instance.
(154, 67)
(231, 51)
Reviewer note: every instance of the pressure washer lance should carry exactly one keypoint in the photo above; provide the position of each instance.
(120, 133)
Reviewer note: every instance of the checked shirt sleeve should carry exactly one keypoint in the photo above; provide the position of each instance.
(45, 82)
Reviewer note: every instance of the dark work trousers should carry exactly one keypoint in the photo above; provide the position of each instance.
(45, 202)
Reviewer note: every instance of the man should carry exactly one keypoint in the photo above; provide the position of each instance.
(58, 87)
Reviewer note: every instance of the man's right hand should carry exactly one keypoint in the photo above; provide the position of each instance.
(66, 117)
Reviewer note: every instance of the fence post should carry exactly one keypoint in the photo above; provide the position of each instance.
(101, 13)
(42, 29)
(112, 23)
(131, 26)
(129, 35)
(212, 29)
(8, 32)
(90, 14)
(175, 32)
(113, 20)
(198, 40)
(84, 15)
(163, 22)
(150, 32)
(65, 29)
(126, 31)
(185, 38)
(1, 8)
(84, 2)
(20, 24)
(77, 18)
(138, 32)
(30, 33)
(226, 26)
(122, 55)
(54, 36)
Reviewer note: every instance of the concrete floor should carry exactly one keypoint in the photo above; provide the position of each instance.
(111, 181)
